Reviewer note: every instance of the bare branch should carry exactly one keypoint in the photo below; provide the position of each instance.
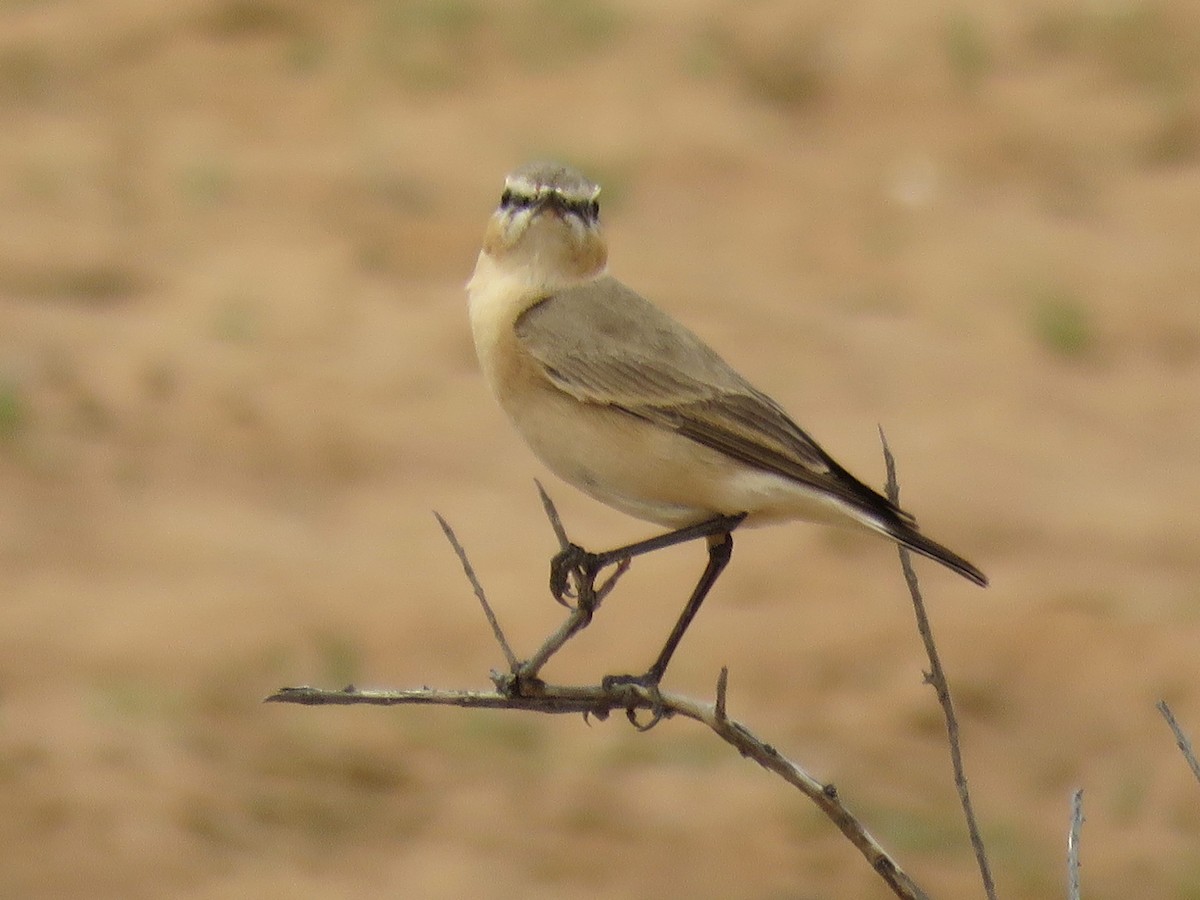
(553, 516)
(600, 701)
(1073, 845)
(521, 689)
(478, 588)
(581, 614)
(574, 623)
(1181, 739)
(937, 678)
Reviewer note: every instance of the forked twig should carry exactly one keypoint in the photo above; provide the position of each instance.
(582, 612)
(521, 689)
(564, 542)
(497, 631)
(599, 701)
(574, 623)
(936, 676)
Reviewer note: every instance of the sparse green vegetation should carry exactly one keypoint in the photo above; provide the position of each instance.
(698, 752)
(544, 35)
(1127, 797)
(206, 182)
(703, 53)
(436, 45)
(967, 49)
(340, 658)
(132, 697)
(1187, 882)
(427, 45)
(1142, 44)
(523, 736)
(587, 24)
(920, 831)
(1062, 323)
(238, 320)
(14, 409)
(306, 52)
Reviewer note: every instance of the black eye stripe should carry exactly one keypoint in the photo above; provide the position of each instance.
(509, 200)
(585, 209)
(589, 210)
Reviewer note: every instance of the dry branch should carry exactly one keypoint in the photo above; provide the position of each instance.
(1181, 739)
(600, 702)
(520, 688)
(936, 676)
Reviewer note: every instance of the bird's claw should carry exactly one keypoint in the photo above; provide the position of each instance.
(647, 682)
(573, 559)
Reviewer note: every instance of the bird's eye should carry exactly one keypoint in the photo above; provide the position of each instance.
(510, 200)
(594, 209)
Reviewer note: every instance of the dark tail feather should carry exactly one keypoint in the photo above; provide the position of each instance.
(918, 543)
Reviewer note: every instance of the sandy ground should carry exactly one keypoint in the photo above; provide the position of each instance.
(236, 376)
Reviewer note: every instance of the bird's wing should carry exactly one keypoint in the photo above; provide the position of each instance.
(605, 344)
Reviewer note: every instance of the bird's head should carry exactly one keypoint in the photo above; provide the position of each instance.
(548, 225)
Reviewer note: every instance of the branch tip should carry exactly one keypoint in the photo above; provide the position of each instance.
(469, 570)
(722, 688)
(552, 514)
(1181, 738)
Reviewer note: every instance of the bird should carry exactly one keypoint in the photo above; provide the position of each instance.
(623, 402)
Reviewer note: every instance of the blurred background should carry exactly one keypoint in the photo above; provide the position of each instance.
(236, 377)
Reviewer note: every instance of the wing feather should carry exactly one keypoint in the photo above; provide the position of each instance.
(603, 343)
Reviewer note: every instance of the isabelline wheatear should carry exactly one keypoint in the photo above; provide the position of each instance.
(626, 404)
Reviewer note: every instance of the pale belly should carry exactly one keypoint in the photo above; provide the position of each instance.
(652, 473)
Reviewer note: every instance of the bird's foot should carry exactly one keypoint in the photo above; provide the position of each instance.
(649, 684)
(585, 565)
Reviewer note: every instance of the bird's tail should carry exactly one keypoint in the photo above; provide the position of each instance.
(902, 532)
(918, 543)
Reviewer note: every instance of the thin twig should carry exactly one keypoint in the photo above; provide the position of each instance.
(552, 514)
(1181, 739)
(1073, 845)
(564, 542)
(573, 623)
(522, 690)
(937, 678)
(511, 657)
(580, 614)
(599, 701)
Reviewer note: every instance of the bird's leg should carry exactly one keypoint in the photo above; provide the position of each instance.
(587, 565)
(720, 549)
